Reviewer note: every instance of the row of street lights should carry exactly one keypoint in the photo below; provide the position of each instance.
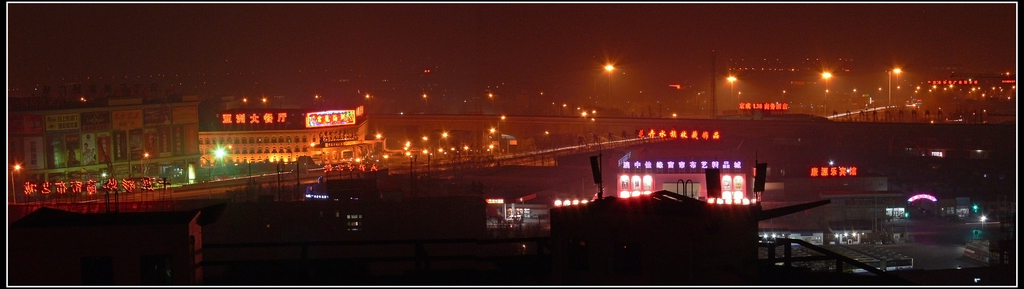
(826, 76)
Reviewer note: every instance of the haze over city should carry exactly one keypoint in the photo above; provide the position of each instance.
(508, 143)
(458, 53)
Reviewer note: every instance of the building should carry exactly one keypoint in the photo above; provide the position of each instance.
(246, 136)
(126, 144)
(660, 238)
(55, 247)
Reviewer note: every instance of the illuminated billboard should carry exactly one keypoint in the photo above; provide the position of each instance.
(831, 171)
(330, 118)
(257, 119)
(682, 134)
(764, 106)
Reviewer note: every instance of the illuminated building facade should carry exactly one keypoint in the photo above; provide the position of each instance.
(122, 144)
(684, 177)
(285, 135)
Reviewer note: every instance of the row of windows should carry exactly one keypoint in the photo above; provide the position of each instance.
(242, 140)
(262, 150)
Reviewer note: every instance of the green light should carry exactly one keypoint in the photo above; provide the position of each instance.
(219, 153)
(975, 207)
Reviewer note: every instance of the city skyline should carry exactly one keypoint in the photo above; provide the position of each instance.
(342, 50)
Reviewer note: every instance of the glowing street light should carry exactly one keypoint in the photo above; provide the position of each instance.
(17, 167)
(732, 80)
(826, 76)
(609, 69)
(897, 71)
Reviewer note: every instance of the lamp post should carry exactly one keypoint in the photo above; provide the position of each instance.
(897, 71)
(825, 75)
(609, 68)
(412, 177)
(983, 218)
(219, 153)
(491, 96)
(732, 81)
(145, 157)
(426, 105)
(13, 188)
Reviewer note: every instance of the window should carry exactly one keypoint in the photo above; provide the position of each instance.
(627, 258)
(98, 270)
(156, 270)
(351, 217)
(251, 140)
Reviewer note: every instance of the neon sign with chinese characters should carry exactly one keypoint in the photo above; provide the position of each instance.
(330, 118)
(260, 119)
(764, 106)
(254, 118)
(88, 187)
(670, 165)
(682, 134)
(953, 81)
(828, 171)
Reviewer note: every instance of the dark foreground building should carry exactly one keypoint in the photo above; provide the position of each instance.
(56, 247)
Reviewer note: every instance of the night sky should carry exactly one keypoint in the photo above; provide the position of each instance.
(299, 49)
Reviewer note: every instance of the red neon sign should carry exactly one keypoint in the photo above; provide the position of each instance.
(764, 106)
(683, 134)
(833, 171)
(253, 118)
(330, 118)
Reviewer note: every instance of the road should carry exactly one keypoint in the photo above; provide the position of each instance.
(939, 243)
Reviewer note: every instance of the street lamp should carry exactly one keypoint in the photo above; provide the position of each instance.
(425, 103)
(732, 80)
(219, 153)
(825, 75)
(145, 157)
(609, 68)
(491, 96)
(897, 71)
(13, 188)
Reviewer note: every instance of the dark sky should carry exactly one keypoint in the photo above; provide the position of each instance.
(298, 48)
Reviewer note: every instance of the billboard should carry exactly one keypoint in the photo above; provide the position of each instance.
(192, 139)
(184, 114)
(156, 115)
(72, 142)
(262, 119)
(96, 121)
(56, 158)
(330, 118)
(126, 119)
(25, 124)
(63, 122)
(89, 149)
(35, 153)
(119, 143)
(104, 148)
(136, 143)
(164, 141)
(178, 140)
